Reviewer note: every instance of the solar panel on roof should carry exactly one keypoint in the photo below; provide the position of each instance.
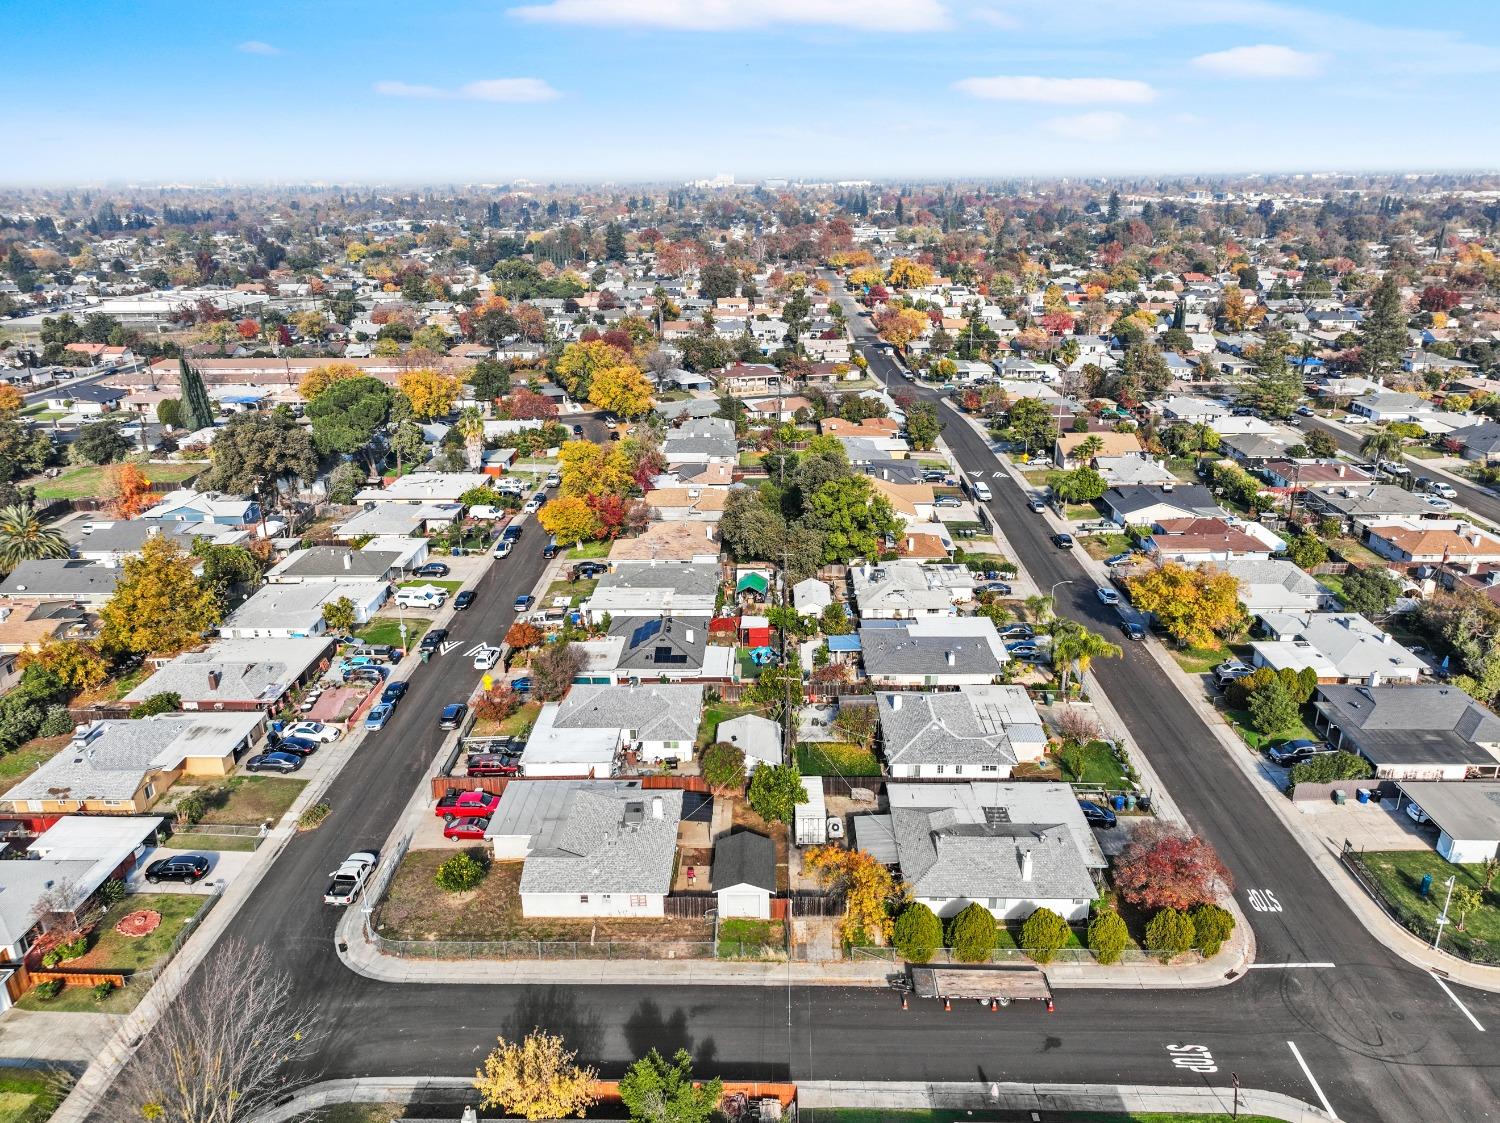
(644, 632)
(994, 816)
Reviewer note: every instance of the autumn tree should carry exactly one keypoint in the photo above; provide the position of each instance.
(76, 663)
(867, 886)
(535, 1078)
(569, 519)
(1194, 604)
(904, 273)
(656, 1090)
(553, 670)
(621, 389)
(1165, 867)
(522, 635)
(315, 381)
(132, 490)
(159, 605)
(581, 361)
(11, 399)
(901, 326)
(430, 392)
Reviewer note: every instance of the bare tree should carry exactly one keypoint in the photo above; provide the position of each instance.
(62, 913)
(221, 1052)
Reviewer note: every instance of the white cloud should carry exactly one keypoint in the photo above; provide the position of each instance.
(256, 47)
(1057, 91)
(1265, 60)
(1102, 126)
(487, 89)
(734, 15)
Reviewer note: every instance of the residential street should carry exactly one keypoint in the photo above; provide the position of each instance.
(1380, 1038)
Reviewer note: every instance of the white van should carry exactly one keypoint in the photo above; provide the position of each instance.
(981, 491)
(428, 597)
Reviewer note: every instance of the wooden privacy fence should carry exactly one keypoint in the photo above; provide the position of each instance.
(495, 785)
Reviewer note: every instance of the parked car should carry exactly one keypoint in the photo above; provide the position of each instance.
(372, 675)
(524, 601)
(947, 501)
(1025, 649)
(189, 868)
(314, 731)
(934, 476)
(1305, 411)
(298, 746)
(350, 878)
(1095, 815)
(463, 600)
(587, 569)
(491, 764)
(467, 805)
(431, 569)
(999, 588)
(1447, 491)
(1132, 630)
(981, 491)
(1228, 671)
(1017, 631)
(486, 658)
(521, 685)
(534, 504)
(1416, 814)
(1107, 596)
(273, 762)
(1289, 753)
(1037, 504)
(1118, 559)
(503, 548)
(553, 479)
(465, 829)
(549, 551)
(1438, 502)
(379, 715)
(393, 693)
(578, 430)
(1356, 419)
(453, 715)
(433, 639)
(1063, 541)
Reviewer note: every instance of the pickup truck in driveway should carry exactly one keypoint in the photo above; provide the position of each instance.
(467, 805)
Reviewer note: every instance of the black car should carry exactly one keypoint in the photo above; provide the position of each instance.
(433, 639)
(463, 600)
(431, 569)
(1096, 816)
(1017, 631)
(1063, 541)
(273, 762)
(1133, 630)
(578, 430)
(393, 693)
(550, 549)
(511, 532)
(1289, 753)
(587, 569)
(296, 746)
(452, 716)
(191, 868)
(1000, 588)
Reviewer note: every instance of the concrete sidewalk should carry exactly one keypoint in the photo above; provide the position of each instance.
(813, 1095)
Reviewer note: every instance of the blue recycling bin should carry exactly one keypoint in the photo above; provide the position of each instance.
(1363, 795)
(1119, 802)
(1425, 889)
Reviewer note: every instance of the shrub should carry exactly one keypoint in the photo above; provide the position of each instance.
(1272, 709)
(191, 809)
(497, 703)
(313, 816)
(57, 722)
(919, 932)
(1211, 927)
(460, 873)
(164, 703)
(1326, 768)
(724, 766)
(1169, 934)
(971, 934)
(1108, 936)
(112, 892)
(103, 990)
(49, 990)
(1043, 935)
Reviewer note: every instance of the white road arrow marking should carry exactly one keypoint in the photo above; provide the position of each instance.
(448, 646)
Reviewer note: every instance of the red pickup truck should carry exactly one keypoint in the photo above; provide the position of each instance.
(467, 805)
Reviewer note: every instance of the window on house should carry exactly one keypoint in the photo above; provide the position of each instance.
(637, 901)
(583, 898)
(939, 769)
(150, 791)
(989, 768)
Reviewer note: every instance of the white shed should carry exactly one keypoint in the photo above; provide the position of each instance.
(810, 827)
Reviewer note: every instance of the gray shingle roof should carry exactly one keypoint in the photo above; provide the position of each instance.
(974, 725)
(919, 648)
(66, 578)
(593, 837)
(1193, 498)
(744, 858)
(1412, 724)
(656, 712)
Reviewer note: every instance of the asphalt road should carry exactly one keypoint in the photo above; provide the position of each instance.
(1380, 1038)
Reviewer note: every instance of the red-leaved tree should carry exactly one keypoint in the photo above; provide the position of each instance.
(1163, 867)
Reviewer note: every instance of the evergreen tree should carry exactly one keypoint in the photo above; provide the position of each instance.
(197, 410)
(1382, 337)
(614, 242)
(1277, 386)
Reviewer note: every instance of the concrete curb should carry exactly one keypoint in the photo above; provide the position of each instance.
(815, 1094)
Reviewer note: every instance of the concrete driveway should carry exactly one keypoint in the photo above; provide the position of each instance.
(224, 866)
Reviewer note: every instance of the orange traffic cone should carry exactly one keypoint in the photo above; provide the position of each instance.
(947, 1006)
(1049, 1004)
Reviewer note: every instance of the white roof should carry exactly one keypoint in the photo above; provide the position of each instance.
(553, 752)
(87, 837)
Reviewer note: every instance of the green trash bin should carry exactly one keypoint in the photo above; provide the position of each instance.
(1339, 796)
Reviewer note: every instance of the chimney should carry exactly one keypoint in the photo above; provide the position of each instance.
(1028, 865)
(656, 807)
(896, 701)
(214, 678)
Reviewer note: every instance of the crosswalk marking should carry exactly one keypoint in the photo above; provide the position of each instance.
(448, 646)
(477, 648)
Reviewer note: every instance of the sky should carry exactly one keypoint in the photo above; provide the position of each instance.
(487, 91)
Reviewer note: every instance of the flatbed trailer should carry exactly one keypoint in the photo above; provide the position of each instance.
(993, 985)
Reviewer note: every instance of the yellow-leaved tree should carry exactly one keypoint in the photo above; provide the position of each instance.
(867, 886)
(905, 273)
(1194, 604)
(900, 326)
(159, 606)
(569, 519)
(621, 389)
(580, 362)
(431, 392)
(315, 381)
(536, 1078)
(866, 275)
(590, 469)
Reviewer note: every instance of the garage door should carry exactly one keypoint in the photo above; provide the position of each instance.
(743, 904)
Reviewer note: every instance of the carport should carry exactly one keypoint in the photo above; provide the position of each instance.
(1466, 814)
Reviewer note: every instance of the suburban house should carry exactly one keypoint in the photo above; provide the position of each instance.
(1434, 542)
(1277, 586)
(912, 503)
(91, 400)
(425, 487)
(1429, 732)
(294, 611)
(744, 875)
(109, 542)
(334, 565)
(932, 651)
(588, 731)
(1357, 508)
(1467, 817)
(399, 519)
(235, 674)
(32, 623)
(589, 848)
(1303, 475)
(1193, 541)
(653, 648)
(670, 589)
(981, 731)
(759, 738)
(1133, 468)
(701, 440)
(120, 767)
(811, 596)
(1389, 405)
(749, 380)
(1110, 444)
(663, 542)
(687, 504)
(1479, 442)
(65, 579)
(189, 506)
(1149, 504)
(1013, 848)
(903, 590)
(1339, 646)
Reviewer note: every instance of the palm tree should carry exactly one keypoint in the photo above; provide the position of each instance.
(1382, 444)
(1076, 646)
(1088, 448)
(470, 426)
(24, 538)
(1038, 607)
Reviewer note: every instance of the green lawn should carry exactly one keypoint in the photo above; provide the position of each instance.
(1240, 719)
(28, 1095)
(743, 938)
(1398, 875)
(89, 480)
(514, 726)
(251, 800)
(575, 591)
(716, 713)
(750, 459)
(1200, 660)
(835, 758)
(387, 630)
(451, 586)
(1098, 766)
(1422, 452)
(587, 550)
(1101, 546)
(1080, 512)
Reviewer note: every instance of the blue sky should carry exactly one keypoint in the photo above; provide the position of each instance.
(470, 91)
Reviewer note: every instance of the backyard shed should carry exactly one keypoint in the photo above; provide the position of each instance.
(810, 826)
(744, 875)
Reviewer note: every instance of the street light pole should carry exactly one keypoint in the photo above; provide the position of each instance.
(1443, 919)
